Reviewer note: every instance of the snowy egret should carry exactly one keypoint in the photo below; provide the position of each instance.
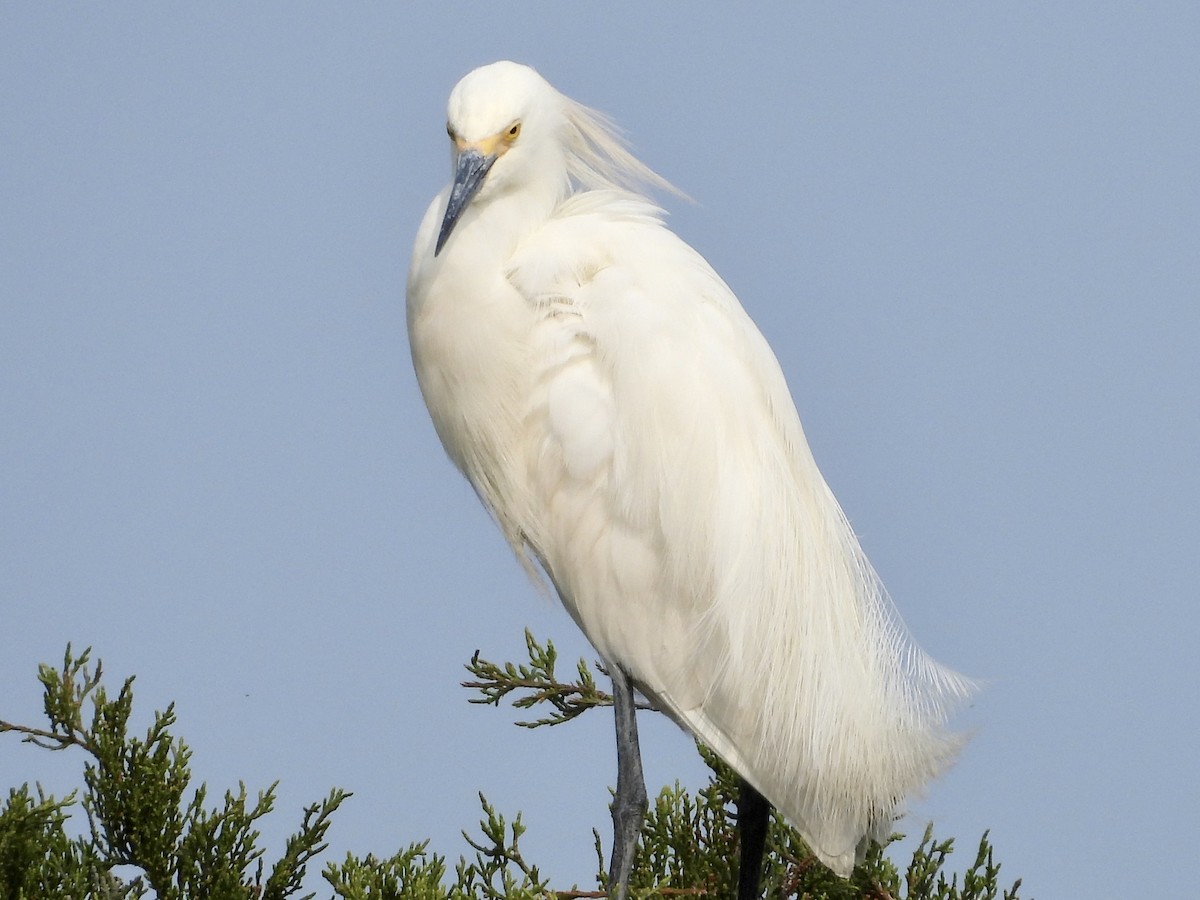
(632, 434)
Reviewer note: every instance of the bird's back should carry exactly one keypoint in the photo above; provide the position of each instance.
(662, 479)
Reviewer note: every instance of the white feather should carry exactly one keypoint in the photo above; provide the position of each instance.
(630, 429)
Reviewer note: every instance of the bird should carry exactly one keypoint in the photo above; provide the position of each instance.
(632, 434)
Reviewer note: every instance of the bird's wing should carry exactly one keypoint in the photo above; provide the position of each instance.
(690, 534)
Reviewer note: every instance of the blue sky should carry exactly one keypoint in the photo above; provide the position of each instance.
(969, 232)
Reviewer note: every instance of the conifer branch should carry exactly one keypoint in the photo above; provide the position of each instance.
(143, 811)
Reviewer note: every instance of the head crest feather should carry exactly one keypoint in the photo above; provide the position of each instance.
(598, 156)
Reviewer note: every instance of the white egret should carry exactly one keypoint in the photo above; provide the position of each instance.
(632, 434)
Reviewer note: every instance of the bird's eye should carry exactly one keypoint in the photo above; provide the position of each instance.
(514, 131)
(450, 130)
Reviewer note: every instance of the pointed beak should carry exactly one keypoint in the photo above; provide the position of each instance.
(469, 173)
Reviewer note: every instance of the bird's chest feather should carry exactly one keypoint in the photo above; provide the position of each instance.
(470, 347)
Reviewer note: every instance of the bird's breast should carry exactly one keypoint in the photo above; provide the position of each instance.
(470, 348)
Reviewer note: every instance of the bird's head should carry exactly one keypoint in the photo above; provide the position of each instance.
(510, 131)
(502, 121)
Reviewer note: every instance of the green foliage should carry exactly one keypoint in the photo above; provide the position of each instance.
(37, 859)
(413, 874)
(538, 683)
(142, 812)
(138, 812)
(497, 872)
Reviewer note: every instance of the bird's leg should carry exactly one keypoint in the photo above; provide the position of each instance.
(629, 804)
(753, 814)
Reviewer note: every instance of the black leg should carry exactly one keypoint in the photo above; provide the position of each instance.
(754, 812)
(629, 804)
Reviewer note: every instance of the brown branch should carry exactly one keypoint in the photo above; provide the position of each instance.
(546, 690)
(47, 740)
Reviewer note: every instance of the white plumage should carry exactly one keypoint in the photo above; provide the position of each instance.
(632, 434)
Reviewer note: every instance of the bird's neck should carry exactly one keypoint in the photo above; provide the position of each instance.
(496, 228)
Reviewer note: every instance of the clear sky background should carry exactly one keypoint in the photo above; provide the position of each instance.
(971, 233)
